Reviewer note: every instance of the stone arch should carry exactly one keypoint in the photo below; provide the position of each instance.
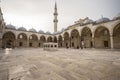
(75, 38)
(49, 39)
(116, 36)
(21, 40)
(55, 39)
(86, 37)
(8, 40)
(33, 40)
(42, 41)
(102, 37)
(66, 40)
(60, 41)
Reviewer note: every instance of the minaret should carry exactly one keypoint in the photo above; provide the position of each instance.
(1, 21)
(2, 27)
(55, 18)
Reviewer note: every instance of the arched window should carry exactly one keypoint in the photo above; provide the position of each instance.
(21, 36)
(30, 37)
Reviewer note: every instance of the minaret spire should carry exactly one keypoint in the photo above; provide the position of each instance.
(1, 15)
(0, 8)
(55, 18)
(55, 5)
(2, 26)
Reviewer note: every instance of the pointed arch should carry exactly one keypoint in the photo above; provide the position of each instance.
(55, 39)
(8, 40)
(21, 40)
(86, 37)
(75, 38)
(33, 40)
(60, 41)
(66, 40)
(49, 39)
(116, 36)
(102, 37)
(42, 41)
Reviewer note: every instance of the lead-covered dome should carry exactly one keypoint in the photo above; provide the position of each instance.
(117, 16)
(22, 29)
(104, 19)
(55, 33)
(87, 21)
(48, 32)
(9, 26)
(40, 31)
(32, 30)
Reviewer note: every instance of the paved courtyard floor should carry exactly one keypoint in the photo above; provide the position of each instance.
(64, 64)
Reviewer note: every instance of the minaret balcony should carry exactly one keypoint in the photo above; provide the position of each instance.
(55, 13)
(55, 21)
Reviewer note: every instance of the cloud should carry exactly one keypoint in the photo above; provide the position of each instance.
(39, 13)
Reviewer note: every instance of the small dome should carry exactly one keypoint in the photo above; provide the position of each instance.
(32, 30)
(40, 31)
(9, 26)
(55, 33)
(117, 16)
(22, 29)
(87, 21)
(48, 32)
(62, 29)
(102, 20)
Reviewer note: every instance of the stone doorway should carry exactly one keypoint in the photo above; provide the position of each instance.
(106, 44)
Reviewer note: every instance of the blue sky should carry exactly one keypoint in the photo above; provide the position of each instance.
(38, 14)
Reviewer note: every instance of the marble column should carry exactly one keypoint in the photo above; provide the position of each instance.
(111, 41)
(93, 41)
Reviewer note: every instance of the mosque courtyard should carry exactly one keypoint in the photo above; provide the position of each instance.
(64, 64)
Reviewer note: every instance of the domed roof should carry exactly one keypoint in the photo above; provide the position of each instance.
(87, 21)
(40, 31)
(32, 30)
(22, 29)
(48, 32)
(117, 16)
(55, 33)
(9, 26)
(104, 19)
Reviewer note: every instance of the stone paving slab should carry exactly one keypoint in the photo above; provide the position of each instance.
(64, 64)
(4, 74)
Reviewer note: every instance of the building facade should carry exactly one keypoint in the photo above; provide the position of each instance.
(103, 33)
